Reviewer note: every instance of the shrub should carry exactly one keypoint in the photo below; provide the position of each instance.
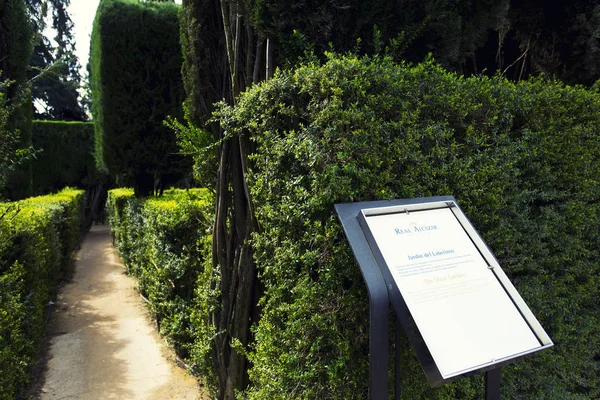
(136, 83)
(37, 238)
(521, 159)
(164, 242)
(12, 152)
(66, 158)
(16, 42)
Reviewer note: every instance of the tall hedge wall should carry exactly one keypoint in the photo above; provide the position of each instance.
(67, 156)
(164, 242)
(136, 83)
(37, 238)
(522, 160)
(16, 45)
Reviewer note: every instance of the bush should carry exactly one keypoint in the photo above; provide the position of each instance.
(521, 159)
(12, 151)
(66, 158)
(16, 42)
(37, 238)
(136, 83)
(164, 242)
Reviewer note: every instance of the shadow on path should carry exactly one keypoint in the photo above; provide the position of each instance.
(101, 343)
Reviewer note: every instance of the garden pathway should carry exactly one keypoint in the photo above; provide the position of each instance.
(101, 343)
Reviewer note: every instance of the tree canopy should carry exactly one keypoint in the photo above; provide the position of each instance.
(55, 93)
(15, 123)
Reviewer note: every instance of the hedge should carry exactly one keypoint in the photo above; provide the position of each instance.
(67, 156)
(522, 161)
(37, 238)
(16, 46)
(163, 242)
(136, 83)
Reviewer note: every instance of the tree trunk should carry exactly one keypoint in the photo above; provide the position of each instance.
(269, 62)
(234, 224)
(258, 58)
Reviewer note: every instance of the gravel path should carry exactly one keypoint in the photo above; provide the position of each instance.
(101, 343)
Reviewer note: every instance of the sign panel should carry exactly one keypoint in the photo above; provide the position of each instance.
(460, 305)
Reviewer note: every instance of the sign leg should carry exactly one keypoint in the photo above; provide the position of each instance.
(378, 360)
(397, 360)
(492, 384)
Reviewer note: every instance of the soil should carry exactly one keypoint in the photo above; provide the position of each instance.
(101, 343)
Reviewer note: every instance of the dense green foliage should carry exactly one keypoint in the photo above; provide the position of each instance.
(560, 39)
(230, 45)
(15, 48)
(204, 61)
(299, 29)
(9, 144)
(66, 158)
(15, 40)
(202, 43)
(165, 243)
(12, 152)
(520, 158)
(136, 83)
(37, 238)
(411, 29)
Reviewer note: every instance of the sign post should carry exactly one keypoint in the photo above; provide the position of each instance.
(460, 312)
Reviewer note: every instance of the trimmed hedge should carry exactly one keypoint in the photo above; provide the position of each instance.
(16, 45)
(163, 242)
(522, 161)
(136, 83)
(67, 158)
(37, 238)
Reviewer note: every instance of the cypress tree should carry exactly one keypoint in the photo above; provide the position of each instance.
(15, 48)
(136, 83)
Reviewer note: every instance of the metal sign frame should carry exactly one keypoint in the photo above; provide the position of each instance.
(382, 289)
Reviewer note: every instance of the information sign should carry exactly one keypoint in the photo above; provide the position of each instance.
(467, 313)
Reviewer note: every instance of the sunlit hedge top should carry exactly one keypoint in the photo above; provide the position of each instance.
(67, 194)
(121, 192)
(24, 213)
(37, 238)
(172, 197)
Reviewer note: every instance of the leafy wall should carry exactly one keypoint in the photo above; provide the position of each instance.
(16, 37)
(136, 83)
(164, 242)
(37, 238)
(521, 159)
(67, 157)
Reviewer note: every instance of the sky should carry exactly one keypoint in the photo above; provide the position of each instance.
(82, 14)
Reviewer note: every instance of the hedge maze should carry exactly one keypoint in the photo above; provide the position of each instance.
(37, 238)
(251, 278)
(520, 158)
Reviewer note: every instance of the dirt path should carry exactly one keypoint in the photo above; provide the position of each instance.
(102, 345)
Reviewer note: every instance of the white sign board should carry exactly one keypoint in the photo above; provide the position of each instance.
(464, 314)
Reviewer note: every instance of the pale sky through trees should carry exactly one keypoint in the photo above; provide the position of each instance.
(82, 14)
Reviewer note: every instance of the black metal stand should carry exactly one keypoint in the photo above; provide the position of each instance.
(379, 305)
(397, 360)
(492, 384)
(379, 300)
